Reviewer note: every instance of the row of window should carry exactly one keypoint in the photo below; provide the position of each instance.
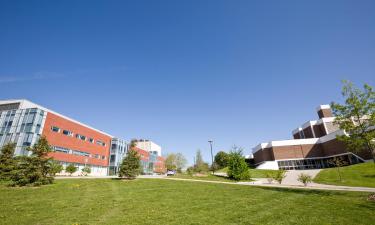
(78, 136)
(77, 152)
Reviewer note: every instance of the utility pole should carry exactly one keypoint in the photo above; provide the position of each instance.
(212, 158)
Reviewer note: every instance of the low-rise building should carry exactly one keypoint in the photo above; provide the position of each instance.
(313, 147)
(24, 122)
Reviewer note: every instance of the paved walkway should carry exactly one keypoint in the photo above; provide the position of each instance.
(292, 176)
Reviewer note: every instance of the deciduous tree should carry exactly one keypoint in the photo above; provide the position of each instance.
(221, 159)
(357, 118)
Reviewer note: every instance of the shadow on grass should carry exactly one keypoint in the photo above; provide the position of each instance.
(304, 191)
(369, 176)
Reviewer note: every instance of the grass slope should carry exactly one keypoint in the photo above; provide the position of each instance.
(209, 177)
(153, 201)
(362, 175)
(254, 173)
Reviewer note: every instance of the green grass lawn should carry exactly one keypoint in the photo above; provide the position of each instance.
(156, 201)
(254, 173)
(356, 175)
(209, 177)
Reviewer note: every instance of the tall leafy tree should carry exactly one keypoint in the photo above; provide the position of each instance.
(7, 161)
(130, 167)
(170, 162)
(221, 159)
(175, 161)
(180, 161)
(200, 166)
(357, 118)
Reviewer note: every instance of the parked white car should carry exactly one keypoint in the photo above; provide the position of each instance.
(171, 173)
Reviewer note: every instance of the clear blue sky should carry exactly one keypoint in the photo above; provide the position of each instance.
(182, 72)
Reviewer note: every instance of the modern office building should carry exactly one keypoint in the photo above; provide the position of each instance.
(314, 146)
(148, 146)
(150, 161)
(119, 148)
(72, 142)
(23, 122)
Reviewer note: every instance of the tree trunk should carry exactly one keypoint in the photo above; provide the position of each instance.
(372, 152)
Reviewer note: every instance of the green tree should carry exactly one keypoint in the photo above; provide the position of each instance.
(237, 166)
(221, 159)
(175, 162)
(180, 162)
(36, 169)
(7, 161)
(200, 166)
(86, 170)
(170, 162)
(71, 169)
(130, 167)
(357, 118)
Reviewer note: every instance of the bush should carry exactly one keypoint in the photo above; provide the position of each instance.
(56, 168)
(202, 168)
(190, 170)
(237, 167)
(86, 170)
(269, 177)
(304, 178)
(71, 169)
(279, 176)
(130, 167)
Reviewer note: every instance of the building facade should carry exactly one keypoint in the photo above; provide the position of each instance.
(23, 122)
(119, 148)
(72, 142)
(148, 146)
(313, 147)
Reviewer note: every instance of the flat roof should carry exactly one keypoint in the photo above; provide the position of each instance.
(25, 104)
(292, 142)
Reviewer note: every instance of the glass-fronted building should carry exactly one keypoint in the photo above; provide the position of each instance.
(20, 126)
(119, 148)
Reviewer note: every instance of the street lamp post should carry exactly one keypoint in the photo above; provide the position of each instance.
(212, 158)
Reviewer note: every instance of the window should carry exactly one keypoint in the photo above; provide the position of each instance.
(68, 133)
(83, 138)
(100, 143)
(75, 152)
(103, 157)
(60, 149)
(55, 129)
(91, 140)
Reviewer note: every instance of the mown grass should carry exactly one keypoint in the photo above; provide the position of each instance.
(208, 177)
(164, 201)
(362, 175)
(254, 173)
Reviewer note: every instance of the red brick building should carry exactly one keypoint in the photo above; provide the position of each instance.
(313, 146)
(73, 142)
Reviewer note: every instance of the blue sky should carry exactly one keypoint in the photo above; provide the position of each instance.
(183, 72)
